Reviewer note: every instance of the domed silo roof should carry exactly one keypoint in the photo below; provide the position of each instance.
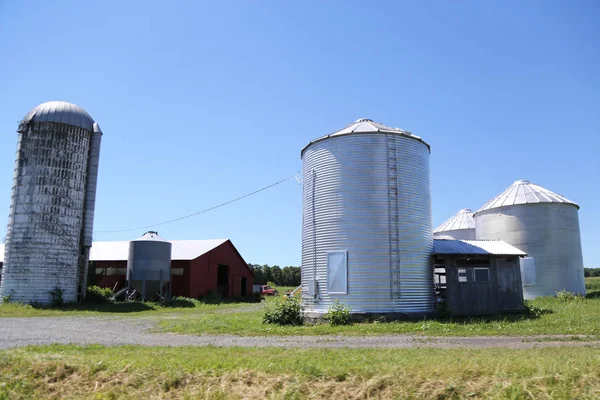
(60, 112)
(365, 125)
(460, 226)
(524, 192)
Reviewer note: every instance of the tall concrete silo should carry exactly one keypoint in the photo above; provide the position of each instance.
(366, 228)
(51, 217)
(461, 226)
(543, 224)
(149, 265)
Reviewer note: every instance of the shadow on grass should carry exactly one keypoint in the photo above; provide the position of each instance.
(126, 307)
(593, 295)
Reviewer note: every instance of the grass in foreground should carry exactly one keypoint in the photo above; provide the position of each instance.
(227, 373)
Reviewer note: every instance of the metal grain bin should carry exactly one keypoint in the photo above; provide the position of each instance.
(460, 226)
(366, 224)
(51, 214)
(149, 264)
(543, 224)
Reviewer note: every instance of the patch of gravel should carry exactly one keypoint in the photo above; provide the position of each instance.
(110, 331)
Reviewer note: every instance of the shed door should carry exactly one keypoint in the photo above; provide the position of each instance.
(510, 295)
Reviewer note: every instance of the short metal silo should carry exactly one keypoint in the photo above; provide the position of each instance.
(149, 265)
(50, 225)
(543, 224)
(366, 222)
(461, 226)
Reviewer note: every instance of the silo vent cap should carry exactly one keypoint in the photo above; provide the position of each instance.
(522, 182)
(364, 120)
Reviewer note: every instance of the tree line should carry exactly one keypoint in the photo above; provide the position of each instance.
(591, 272)
(286, 276)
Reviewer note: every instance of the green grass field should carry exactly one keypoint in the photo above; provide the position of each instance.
(231, 373)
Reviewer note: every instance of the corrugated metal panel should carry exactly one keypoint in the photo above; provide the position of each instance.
(365, 125)
(368, 194)
(524, 192)
(60, 112)
(548, 232)
(149, 264)
(475, 247)
(181, 249)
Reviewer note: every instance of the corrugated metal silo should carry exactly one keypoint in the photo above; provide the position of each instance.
(366, 229)
(149, 264)
(543, 224)
(51, 215)
(460, 226)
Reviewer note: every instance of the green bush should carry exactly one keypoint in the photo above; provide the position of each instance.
(283, 311)
(180, 302)
(568, 297)
(96, 294)
(212, 298)
(56, 297)
(338, 314)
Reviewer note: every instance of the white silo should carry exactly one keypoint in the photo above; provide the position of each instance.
(149, 265)
(461, 226)
(50, 224)
(543, 224)
(366, 228)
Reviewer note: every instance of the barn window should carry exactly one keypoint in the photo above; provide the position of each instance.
(337, 272)
(528, 275)
(465, 275)
(478, 274)
(482, 274)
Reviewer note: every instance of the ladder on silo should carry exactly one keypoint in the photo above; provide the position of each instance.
(394, 228)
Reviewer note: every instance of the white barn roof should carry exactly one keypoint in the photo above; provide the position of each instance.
(119, 251)
(475, 247)
(524, 192)
(463, 219)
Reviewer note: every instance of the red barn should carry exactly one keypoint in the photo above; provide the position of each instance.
(198, 267)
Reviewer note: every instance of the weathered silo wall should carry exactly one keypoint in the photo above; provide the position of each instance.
(51, 213)
(543, 224)
(149, 264)
(366, 229)
(460, 226)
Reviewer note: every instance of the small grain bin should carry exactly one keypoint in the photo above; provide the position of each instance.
(460, 226)
(149, 265)
(543, 224)
(50, 225)
(366, 222)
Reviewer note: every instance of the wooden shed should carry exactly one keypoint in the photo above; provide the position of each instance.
(478, 277)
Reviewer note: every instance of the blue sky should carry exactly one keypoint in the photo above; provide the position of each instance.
(201, 102)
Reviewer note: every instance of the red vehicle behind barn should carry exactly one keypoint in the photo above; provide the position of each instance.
(198, 267)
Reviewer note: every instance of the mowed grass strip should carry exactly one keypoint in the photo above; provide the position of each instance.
(548, 316)
(61, 371)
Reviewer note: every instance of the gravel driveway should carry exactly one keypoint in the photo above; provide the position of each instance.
(15, 332)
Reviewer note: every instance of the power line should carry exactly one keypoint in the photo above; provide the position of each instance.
(205, 210)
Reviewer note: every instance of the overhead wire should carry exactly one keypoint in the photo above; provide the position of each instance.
(205, 210)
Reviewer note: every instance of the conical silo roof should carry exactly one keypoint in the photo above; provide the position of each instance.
(365, 125)
(463, 219)
(60, 112)
(525, 192)
(150, 236)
